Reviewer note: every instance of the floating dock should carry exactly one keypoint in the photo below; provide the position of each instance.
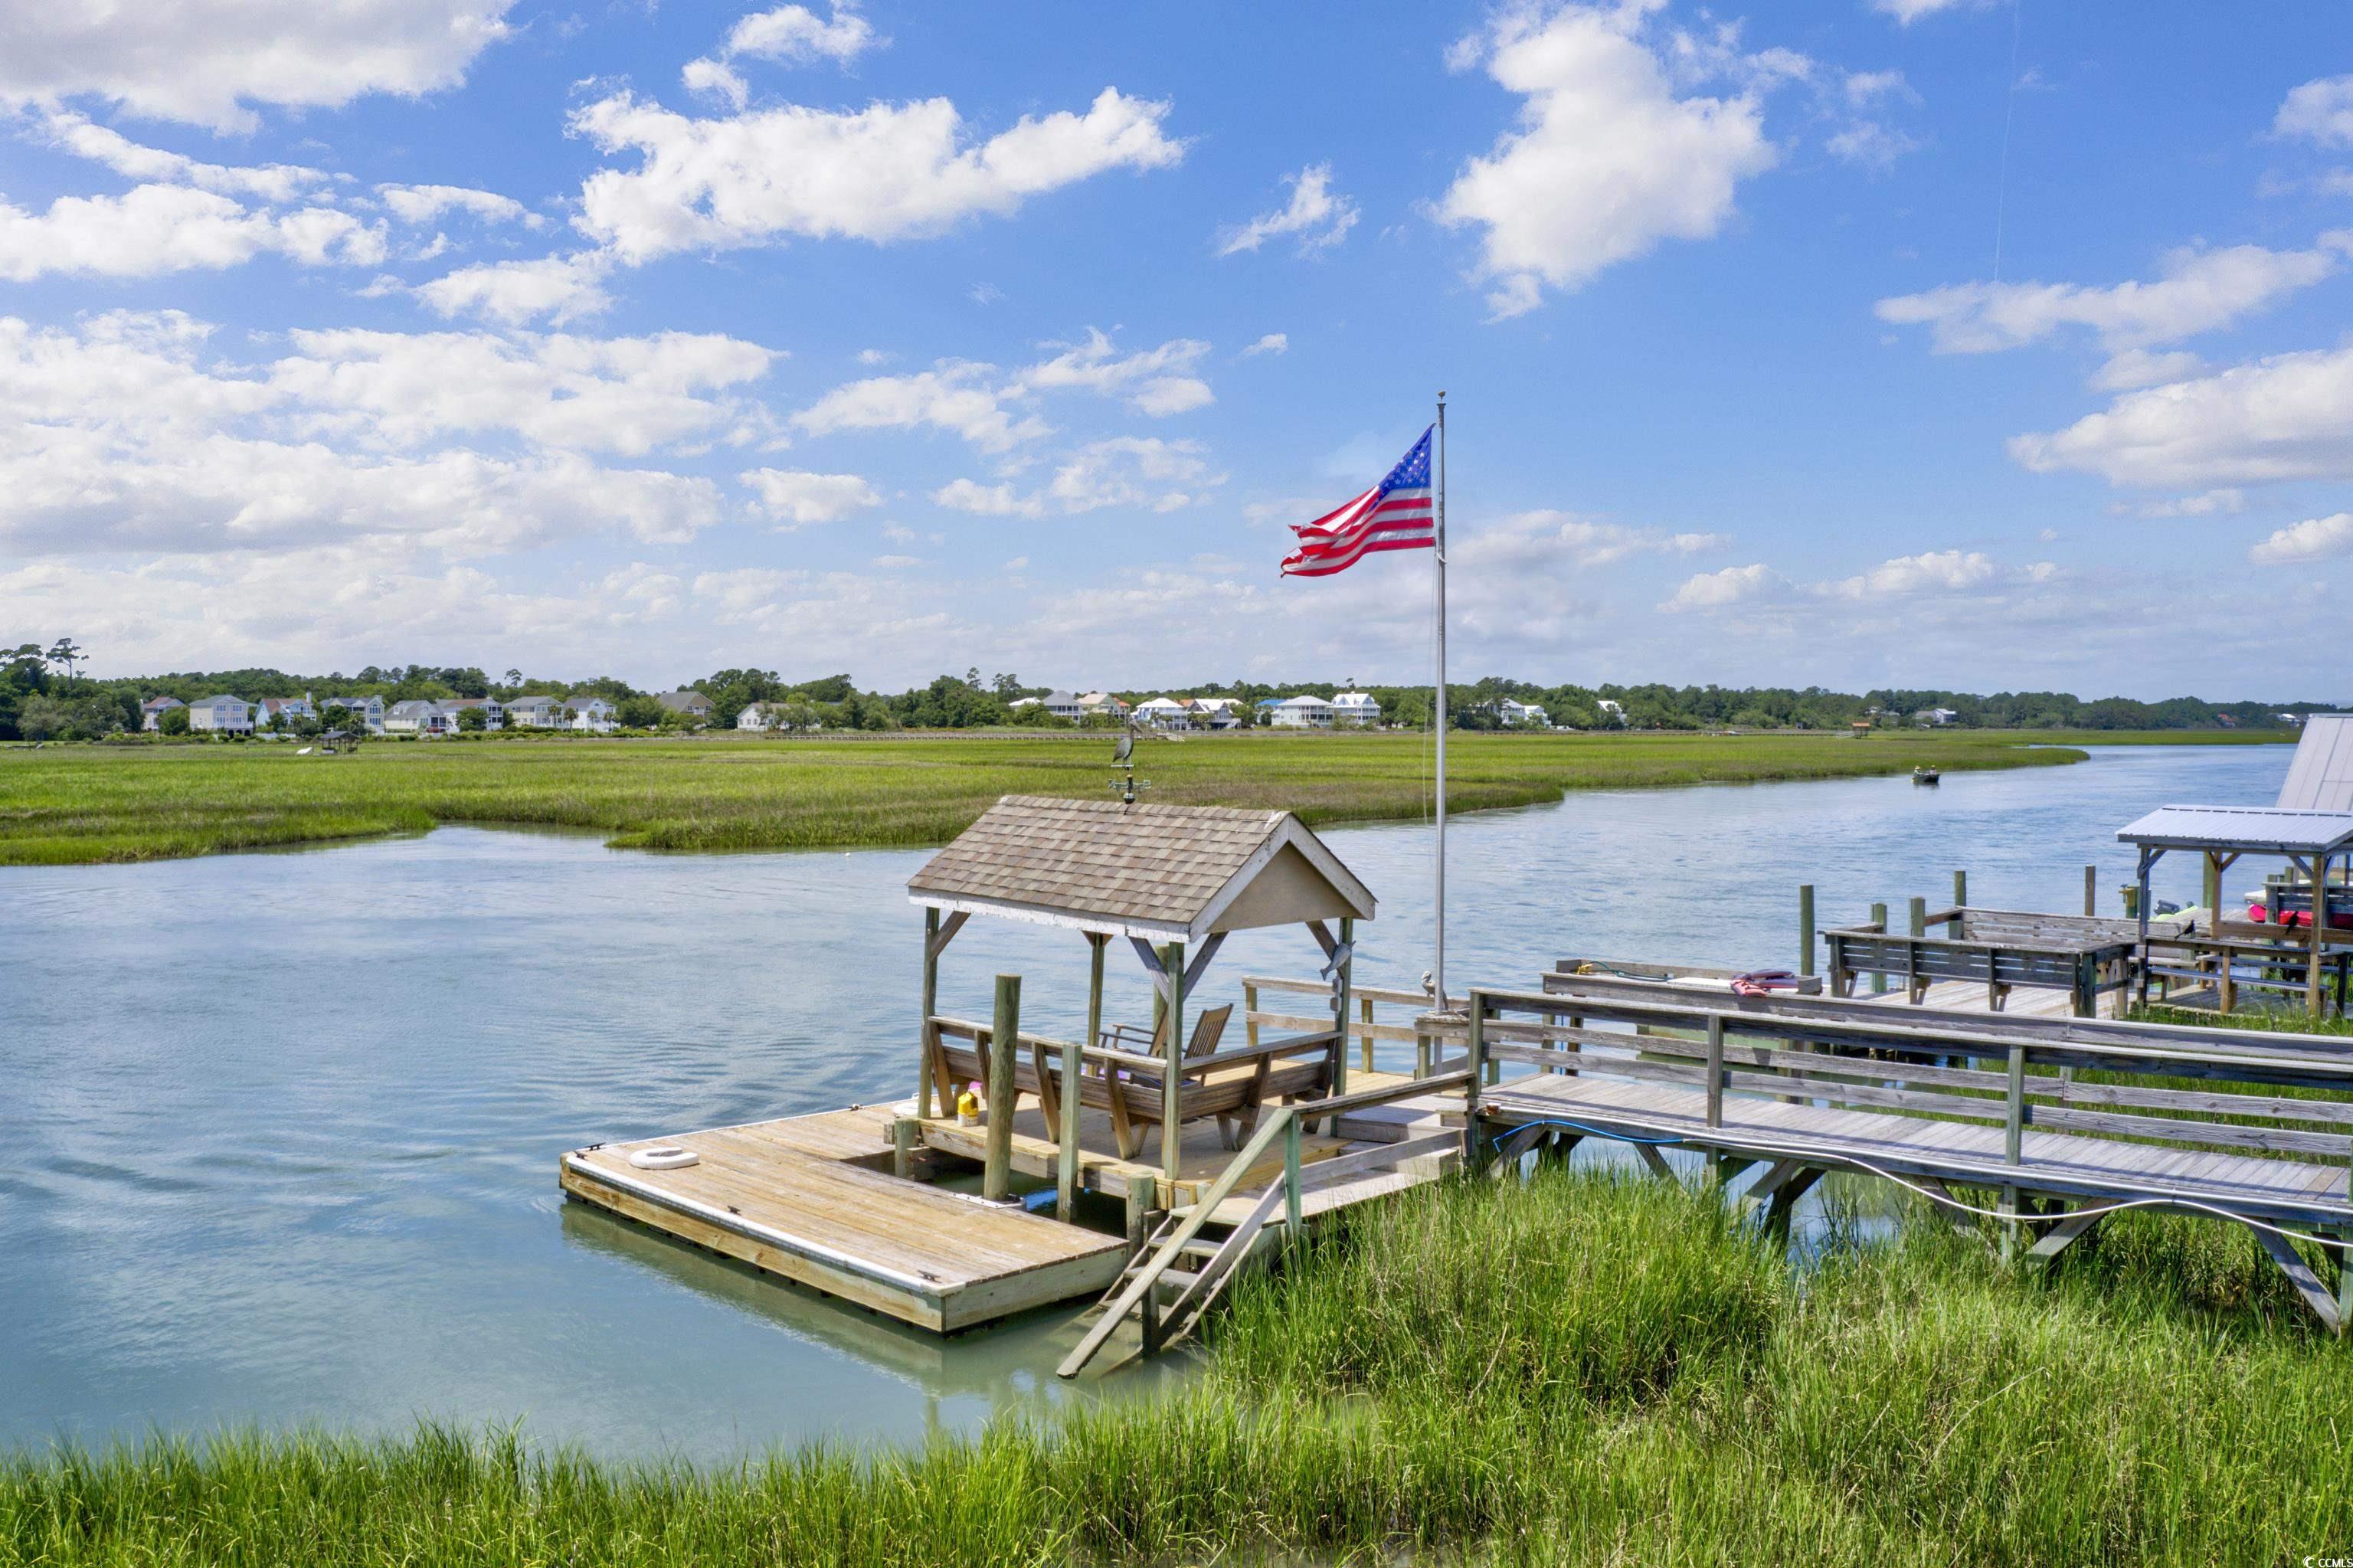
(811, 1199)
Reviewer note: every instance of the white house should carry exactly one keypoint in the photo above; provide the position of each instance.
(1523, 715)
(152, 710)
(591, 713)
(765, 715)
(1360, 710)
(1164, 713)
(1935, 718)
(291, 708)
(1217, 713)
(535, 712)
(1303, 712)
(494, 713)
(231, 716)
(1101, 703)
(417, 716)
(1610, 712)
(369, 710)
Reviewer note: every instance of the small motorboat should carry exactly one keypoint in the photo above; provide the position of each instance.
(1925, 776)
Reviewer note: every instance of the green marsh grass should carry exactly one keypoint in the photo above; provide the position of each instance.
(76, 804)
(1588, 1368)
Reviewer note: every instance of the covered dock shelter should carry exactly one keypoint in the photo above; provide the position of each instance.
(2311, 840)
(1167, 881)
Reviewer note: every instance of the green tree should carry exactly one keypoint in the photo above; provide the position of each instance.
(473, 720)
(65, 653)
(172, 721)
(639, 713)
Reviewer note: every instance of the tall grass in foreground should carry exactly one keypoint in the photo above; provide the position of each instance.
(1587, 1368)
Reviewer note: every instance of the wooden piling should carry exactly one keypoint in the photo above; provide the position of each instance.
(903, 1146)
(1142, 1197)
(2091, 890)
(1074, 1065)
(1918, 910)
(1003, 1053)
(1172, 1092)
(1879, 919)
(1961, 901)
(1343, 979)
(931, 1008)
(1806, 929)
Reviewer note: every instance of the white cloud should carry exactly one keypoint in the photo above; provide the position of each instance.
(2145, 367)
(276, 183)
(720, 81)
(2319, 111)
(1871, 145)
(1733, 584)
(1132, 472)
(2316, 539)
(795, 497)
(1607, 160)
(794, 34)
(1535, 538)
(884, 173)
(1949, 570)
(1318, 216)
(986, 500)
(953, 395)
(560, 288)
(2206, 503)
(155, 228)
(2289, 417)
(1272, 343)
(1910, 11)
(206, 61)
(1152, 381)
(423, 204)
(2196, 291)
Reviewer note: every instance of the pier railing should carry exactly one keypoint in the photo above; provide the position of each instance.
(1380, 1015)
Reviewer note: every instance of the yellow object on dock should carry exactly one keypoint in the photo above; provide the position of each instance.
(811, 1199)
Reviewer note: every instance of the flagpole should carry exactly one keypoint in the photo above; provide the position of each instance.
(1438, 970)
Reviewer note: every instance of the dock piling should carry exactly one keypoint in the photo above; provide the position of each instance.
(1003, 1052)
(1879, 921)
(2091, 891)
(903, 1146)
(1961, 901)
(1806, 929)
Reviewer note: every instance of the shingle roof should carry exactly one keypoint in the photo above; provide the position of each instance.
(1104, 865)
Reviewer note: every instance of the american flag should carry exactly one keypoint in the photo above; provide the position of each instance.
(1393, 516)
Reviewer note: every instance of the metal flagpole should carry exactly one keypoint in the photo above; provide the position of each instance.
(1438, 971)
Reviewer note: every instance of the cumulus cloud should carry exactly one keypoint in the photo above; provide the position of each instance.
(83, 138)
(2319, 111)
(1528, 538)
(1152, 381)
(957, 396)
(2316, 539)
(1137, 472)
(423, 204)
(1910, 11)
(155, 228)
(1319, 216)
(986, 500)
(1947, 569)
(1272, 343)
(2289, 417)
(2146, 368)
(2195, 292)
(791, 35)
(560, 288)
(1733, 584)
(1955, 575)
(884, 173)
(2206, 503)
(1609, 158)
(795, 497)
(208, 62)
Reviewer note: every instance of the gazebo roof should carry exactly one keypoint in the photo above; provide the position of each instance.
(1165, 873)
(2245, 828)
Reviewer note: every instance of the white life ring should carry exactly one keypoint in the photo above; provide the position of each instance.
(664, 1157)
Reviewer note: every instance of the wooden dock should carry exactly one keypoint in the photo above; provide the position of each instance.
(811, 1199)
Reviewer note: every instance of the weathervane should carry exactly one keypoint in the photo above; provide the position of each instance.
(1122, 756)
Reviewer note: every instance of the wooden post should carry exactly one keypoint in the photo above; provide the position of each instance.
(1074, 1067)
(1142, 1197)
(1474, 1151)
(1365, 1007)
(1291, 1216)
(1879, 918)
(1919, 912)
(931, 1006)
(1172, 1091)
(2212, 885)
(1961, 901)
(1004, 1053)
(2013, 1140)
(1715, 1070)
(1806, 929)
(1343, 979)
(1249, 1013)
(2091, 891)
(2312, 993)
(903, 1146)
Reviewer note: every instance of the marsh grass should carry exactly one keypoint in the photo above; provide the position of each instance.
(67, 805)
(1589, 1368)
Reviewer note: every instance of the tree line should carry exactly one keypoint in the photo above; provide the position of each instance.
(44, 695)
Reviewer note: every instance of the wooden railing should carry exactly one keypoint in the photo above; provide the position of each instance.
(1997, 948)
(1365, 1029)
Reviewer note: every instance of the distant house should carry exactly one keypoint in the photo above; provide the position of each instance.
(1611, 713)
(494, 712)
(1934, 718)
(1062, 705)
(368, 710)
(1217, 713)
(418, 716)
(1523, 715)
(290, 708)
(1103, 703)
(694, 705)
(591, 713)
(535, 712)
(225, 714)
(152, 710)
(1359, 710)
(1303, 712)
(764, 716)
(1164, 713)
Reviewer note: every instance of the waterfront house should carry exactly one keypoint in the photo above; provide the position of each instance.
(223, 715)
(1103, 703)
(767, 715)
(368, 710)
(694, 705)
(1610, 712)
(535, 712)
(494, 713)
(289, 708)
(1217, 713)
(1303, 712)
(1934, 718)
(1522, 715)
(591, 713)
(1164, 713)
(1359, 710)
(152, 710)
(418, 716)
(1060, 704)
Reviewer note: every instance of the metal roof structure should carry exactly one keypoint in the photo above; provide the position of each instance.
(2251, 829)
(1153, 873)
(2321, 775)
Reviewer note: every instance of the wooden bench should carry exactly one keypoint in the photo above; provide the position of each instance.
(1230, 1084)
(1999, 949)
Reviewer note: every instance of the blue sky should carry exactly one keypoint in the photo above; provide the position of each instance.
(1919, 342)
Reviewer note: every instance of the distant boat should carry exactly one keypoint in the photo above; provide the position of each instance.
(1925, 776)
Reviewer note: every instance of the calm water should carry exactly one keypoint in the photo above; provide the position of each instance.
(278, 1132)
